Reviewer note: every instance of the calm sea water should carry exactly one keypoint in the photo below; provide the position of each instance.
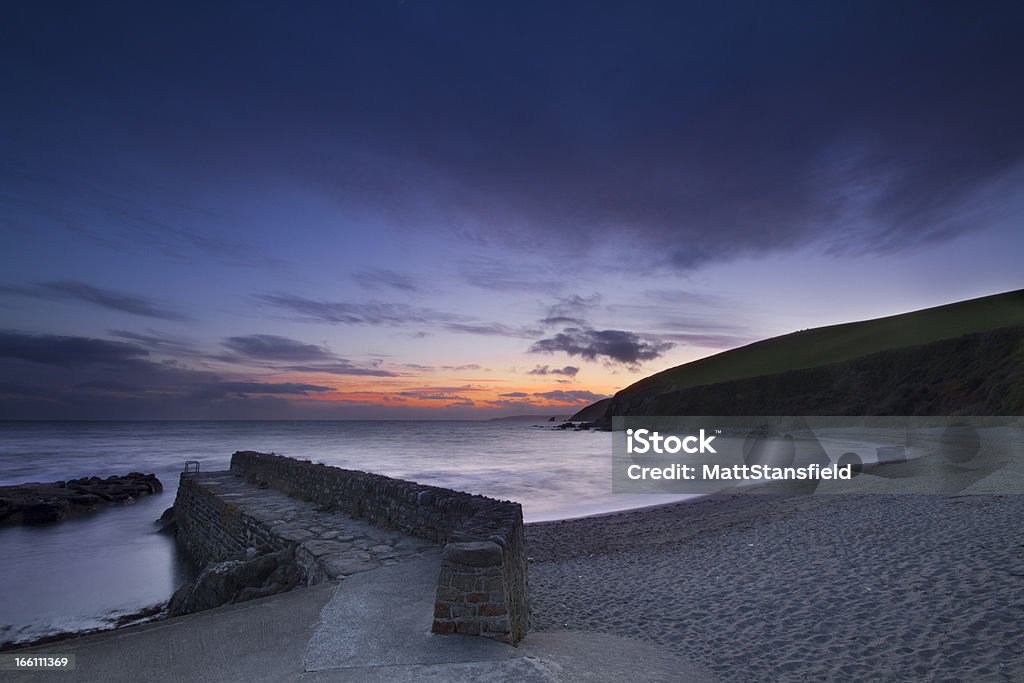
(82, 573)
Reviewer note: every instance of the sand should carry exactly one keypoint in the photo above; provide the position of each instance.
(822, 587)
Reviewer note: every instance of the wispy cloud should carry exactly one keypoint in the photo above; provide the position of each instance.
(121, 220)
(463, 368)
(386, 279)
(156, 341)
(494, 330)
(465, 388)
(272, 350)
(432, 396)
(72, 290)
(500, 275)
(277, 348)
(522, 399)
(343, 367)
(574, 306)
(571, 397)
(346, 313)
(57, 376)
(68, 352)
(567, 371)
(239, 389)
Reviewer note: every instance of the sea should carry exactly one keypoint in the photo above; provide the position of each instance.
(87, 572)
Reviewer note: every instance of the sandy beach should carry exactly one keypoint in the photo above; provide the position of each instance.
(823, 587)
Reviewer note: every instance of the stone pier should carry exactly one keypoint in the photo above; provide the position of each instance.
(222, 515)
(331, 523)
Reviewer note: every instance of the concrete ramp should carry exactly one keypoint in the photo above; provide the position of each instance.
(376, 627)
(383, 617)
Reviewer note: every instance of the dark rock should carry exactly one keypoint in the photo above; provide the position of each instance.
(86, 499)
(237, 580)
(36, 503)
(167, 523)
(44, 511)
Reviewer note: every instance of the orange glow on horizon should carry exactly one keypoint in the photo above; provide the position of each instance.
(508, 393)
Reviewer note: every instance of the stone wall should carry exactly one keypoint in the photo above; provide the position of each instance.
(211, 528)
(482, 586)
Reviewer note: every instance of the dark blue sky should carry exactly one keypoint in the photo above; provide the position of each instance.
(401, 209)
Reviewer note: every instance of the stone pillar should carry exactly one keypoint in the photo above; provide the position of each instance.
(471, 592)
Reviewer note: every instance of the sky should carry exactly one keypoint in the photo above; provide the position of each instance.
(407, 209)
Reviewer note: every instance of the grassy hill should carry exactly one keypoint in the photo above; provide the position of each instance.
(827, 346)
(835, 343)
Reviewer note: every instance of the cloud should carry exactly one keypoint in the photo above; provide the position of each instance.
(156, 341)
(573, 306)
(561, 321)
(433, 392)
(69, 377)
(681, 297)
(124, 216)
(522, 399)
(689, 318)
(571, 397)
(386, 279)
(468, 403)
(502, 276)
(343, 313)
(698, 133)
(432, 396)
(512, 404)
(343, 367)
(463, 368)
(273, 347)
(567, 371)
(72, 290)
(67, 352)
(494, 330)
(616, 345)
(222, 389)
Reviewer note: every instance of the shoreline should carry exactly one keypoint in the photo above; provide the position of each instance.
(146, 615)
(753, 586)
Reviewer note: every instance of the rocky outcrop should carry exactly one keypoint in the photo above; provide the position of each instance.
(36, 503)
(243, 576)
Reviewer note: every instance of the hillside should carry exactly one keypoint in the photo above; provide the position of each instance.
(835, 343)
(832, 350)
